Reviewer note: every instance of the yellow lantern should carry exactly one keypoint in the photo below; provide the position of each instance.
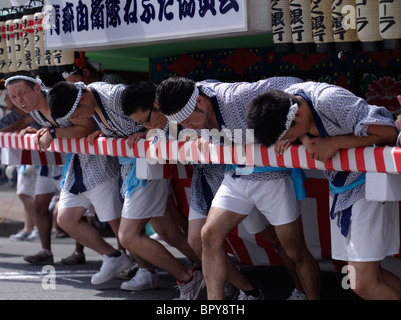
(28, 21)
(281, 25)
(367, 19)
(3, 47)
(344, 25)
(40, 57)
(10, 41)
(301, 26)
(322, 25)
(390, 23)
(64, 60)
(19, 42)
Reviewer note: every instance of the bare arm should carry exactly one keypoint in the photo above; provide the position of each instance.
(323, 149)
(80, 129)
(19, 124)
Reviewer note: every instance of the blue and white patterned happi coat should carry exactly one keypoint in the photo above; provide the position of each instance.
(343, 113)
(93, 170)
(232, 99)
(108, 97)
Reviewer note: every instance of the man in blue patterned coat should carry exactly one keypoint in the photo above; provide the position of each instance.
(221, 106)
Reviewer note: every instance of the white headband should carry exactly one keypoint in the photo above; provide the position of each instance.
(66, 74)
(34, 80)
(290, 118)
(80, 86)
(186, 111)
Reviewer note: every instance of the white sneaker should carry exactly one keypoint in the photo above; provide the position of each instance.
(190, 290)
(111, 267)
(19, 236)
(33, 235)
(143, 280)
(297, 295)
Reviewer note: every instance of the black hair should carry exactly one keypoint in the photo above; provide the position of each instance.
(61, 98)
(26, 74)
(92, 70)
(173, 94)
(138, 97)
(267, 115)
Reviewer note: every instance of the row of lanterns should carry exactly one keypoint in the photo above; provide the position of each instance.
(329, 25)
(22, 45)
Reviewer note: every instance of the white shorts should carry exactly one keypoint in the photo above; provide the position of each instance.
(373, 233)
(275, 199)
(255, 222)
(104, 199)
(47, 185)
(147, 202)
(26, 183)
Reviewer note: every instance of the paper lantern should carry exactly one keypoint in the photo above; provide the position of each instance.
(322, 25)
(390, 23)
(3, 47)
(301, 26)
(64, 60)
(19, 42)
(367, 19)
(281, 25)
(12, 60)
(28, 21)
(344, 25)
(40, 54)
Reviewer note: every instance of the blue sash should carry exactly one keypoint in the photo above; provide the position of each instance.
(298, 176)
(65, 168)
(337, 185)
(131, 181)
(340, 189)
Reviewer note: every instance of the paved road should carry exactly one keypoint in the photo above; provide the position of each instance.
(20, 280)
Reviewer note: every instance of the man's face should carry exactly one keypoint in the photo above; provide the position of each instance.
(197, 120)
(23, 96)
(76, 78)
(143, 118)
(297, 129)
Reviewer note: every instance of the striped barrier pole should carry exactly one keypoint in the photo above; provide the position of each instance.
(365, 159)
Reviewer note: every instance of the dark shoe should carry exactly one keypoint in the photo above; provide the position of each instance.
(40, 258)
(74, 258)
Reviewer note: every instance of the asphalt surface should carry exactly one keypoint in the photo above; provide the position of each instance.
(20, 280)
(27, 289)
(24, 282)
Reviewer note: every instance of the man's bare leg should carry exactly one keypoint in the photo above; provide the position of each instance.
(70, 220)
(372, 282)
(291, 238)
(214, 259)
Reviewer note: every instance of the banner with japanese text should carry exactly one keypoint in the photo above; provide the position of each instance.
(105, 23)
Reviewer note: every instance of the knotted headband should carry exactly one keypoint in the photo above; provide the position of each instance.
(187, 110)
(290, 118)
(34, 80)
(80, 86)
